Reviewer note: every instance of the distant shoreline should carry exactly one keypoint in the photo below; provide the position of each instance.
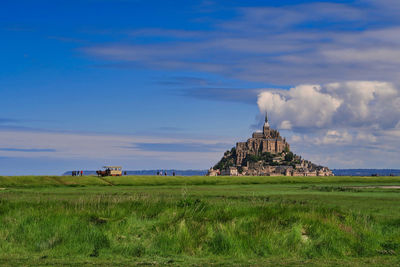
(337, 172)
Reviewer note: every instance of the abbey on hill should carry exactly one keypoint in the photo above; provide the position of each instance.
(265, 153)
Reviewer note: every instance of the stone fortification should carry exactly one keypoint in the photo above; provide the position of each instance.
(267, 141)
(265, 153)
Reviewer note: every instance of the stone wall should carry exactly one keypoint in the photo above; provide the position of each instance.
(256, 146)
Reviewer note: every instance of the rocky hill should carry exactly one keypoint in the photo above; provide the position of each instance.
(266, 153)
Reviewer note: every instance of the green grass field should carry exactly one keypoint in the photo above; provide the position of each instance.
(147, 220)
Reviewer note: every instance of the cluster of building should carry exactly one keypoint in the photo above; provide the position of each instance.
(259, 169)
(266, 153)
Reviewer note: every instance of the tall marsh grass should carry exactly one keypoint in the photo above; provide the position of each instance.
(140, 225)
(243, 219)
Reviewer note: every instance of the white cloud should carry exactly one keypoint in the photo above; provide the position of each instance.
(349, 149)
(369, 55)
(367, 137)
(301, 106)
(353, 124)
(333, 137)
(285, 125)
(368, 104)
(296, 138)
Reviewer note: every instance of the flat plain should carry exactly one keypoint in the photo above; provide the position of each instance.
(195, 221)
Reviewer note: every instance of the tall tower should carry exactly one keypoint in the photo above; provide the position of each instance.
(266, 129)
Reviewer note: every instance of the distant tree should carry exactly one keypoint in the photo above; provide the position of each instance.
(289, 157)
(224, 163)
(266, 156)
(252, 158)
(240, 169)
(227, 160)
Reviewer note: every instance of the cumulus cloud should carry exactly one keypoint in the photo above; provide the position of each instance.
(301, 106)
(335, 137)
(343, 124)
(369, 104)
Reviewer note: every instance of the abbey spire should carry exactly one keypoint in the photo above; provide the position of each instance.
(266, 124)
(266, 129)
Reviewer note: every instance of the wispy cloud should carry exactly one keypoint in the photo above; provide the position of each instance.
(13, 122)
(170, 129)
(168, 33)
(248, 96)
(18, 28)
(278, 45)
(186, 81)
(181, 147)
(8, 121)
(347, 148)
(66, 39)
(27, 149)
(190, 153)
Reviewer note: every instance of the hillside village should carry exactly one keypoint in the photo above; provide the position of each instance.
(266, 153)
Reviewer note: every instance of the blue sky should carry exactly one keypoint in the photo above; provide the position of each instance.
(173, 84)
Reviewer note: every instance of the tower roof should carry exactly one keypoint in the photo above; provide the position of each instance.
(266, 124)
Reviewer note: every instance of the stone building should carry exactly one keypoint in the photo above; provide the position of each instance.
(266, 153)
(230, 171)
(269, 140)
(212, 172)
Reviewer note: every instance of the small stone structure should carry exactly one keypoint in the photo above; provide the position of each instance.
(266, 153)
(230, 171)
(212, 172)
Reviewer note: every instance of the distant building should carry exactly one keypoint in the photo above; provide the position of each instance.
(230, 171)
(212, 172)
(267, 141)
(266, 153)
